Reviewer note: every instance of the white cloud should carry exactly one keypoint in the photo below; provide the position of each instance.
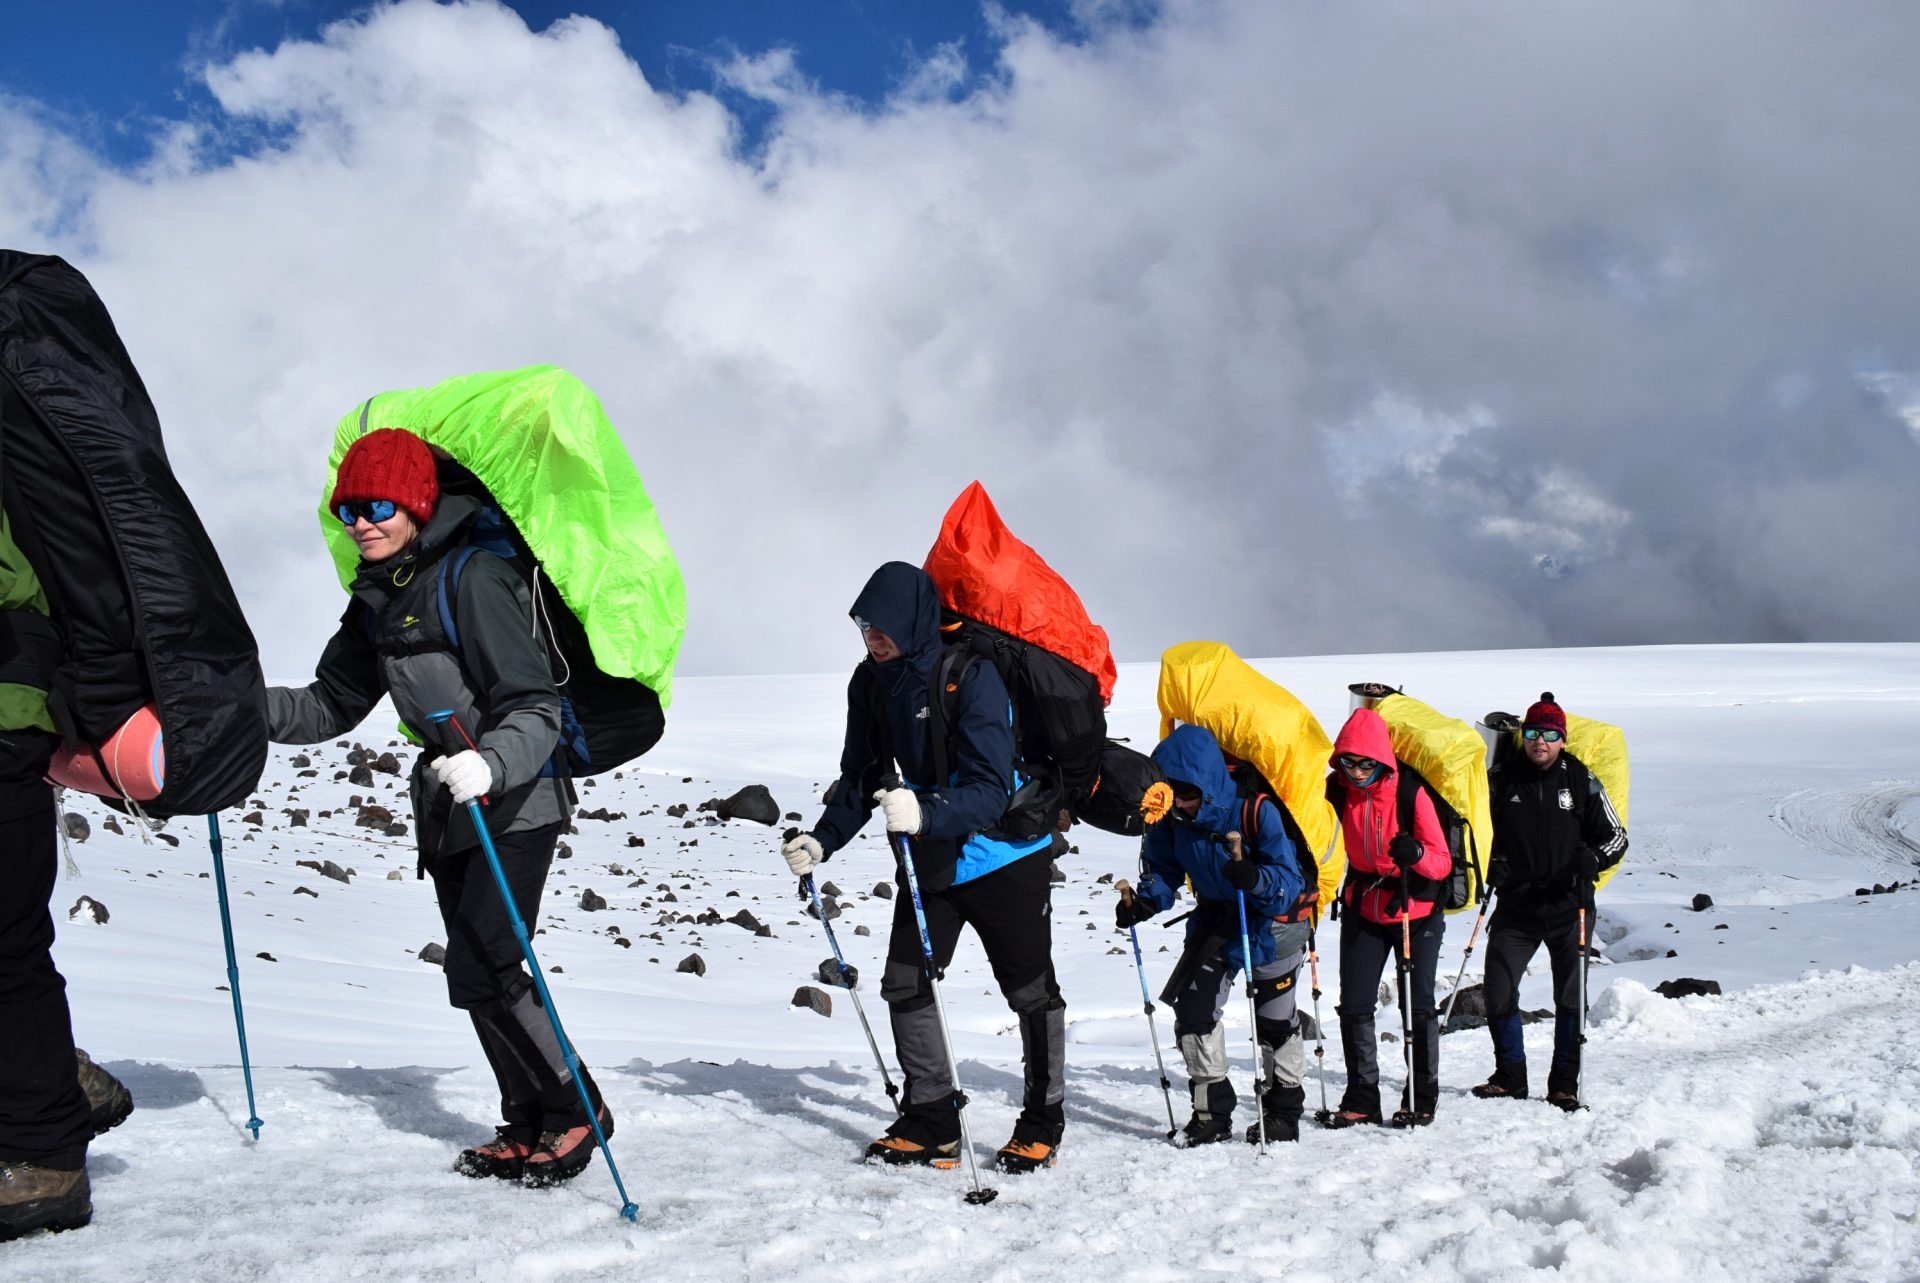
(1124, 281)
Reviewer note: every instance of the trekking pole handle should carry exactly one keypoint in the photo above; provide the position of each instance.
(446, 717)
(1126, 891)
(1234, 849)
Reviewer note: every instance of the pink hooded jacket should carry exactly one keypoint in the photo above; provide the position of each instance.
(1369, 819)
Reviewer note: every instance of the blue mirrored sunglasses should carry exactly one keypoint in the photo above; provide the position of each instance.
(1357, 764)
(374, 510)
(1551, 737)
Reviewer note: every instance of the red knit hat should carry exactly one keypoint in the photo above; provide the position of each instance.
(389, 463)
(1546, 716)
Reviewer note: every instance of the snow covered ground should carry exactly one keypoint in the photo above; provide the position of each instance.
(1770, 1133)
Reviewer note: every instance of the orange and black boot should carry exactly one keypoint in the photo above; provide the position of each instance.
(1022, 1155)
(502, 1158)
(901, 1151)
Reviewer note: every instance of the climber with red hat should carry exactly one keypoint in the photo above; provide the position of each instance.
(434, 638)
(1554, 833)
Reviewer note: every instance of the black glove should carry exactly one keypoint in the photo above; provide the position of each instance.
(1131, 910)
(1497, 874)
(1405, 851)
(1242, 875)
(1587, 861)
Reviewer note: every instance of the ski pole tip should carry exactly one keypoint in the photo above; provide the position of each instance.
(982, 1196)
(631, 1212)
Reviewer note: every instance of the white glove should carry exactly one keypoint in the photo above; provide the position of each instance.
(902, 808)
(802, 854)
(466, 775)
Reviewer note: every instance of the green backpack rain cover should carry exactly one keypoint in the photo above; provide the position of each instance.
(539, 442)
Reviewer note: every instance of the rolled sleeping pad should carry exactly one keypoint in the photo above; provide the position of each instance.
(135, 758)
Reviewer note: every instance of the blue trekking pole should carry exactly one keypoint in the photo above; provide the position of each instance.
(849, 977)
(627, 1207)
(1146, 1004)
(979, 1195)
(1253, 1006)
(233, 970)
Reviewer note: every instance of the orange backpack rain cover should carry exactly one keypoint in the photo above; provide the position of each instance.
(988, 575)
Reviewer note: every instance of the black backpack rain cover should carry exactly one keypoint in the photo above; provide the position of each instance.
(143, 606)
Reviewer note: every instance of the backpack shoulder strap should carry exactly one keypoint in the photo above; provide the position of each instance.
(949, 670)
(449, 590)
(1250, 818)
(1407, 797)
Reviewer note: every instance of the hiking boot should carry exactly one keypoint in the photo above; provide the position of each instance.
(502, 1158)
(1208, 1129)
(562, 1155)
(1278, 1129)
(1342, 1118)
(1018, 1157)
(1564, 1100)
(1411, 1118)
(898, 1151)
(1509, 1082)
(42, 1198)
(108, 1100)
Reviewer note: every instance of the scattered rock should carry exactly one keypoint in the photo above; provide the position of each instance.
(745, 919)
(1720, 926)
(253, 817)
(1309, 1028)
(373, 817)
(434, 954)
(563, 852)
(693, 963)
(297, 818)
(110, 824)
(168, 838)
(863, 931)
(387, 764)
(591, 902)
(1688, 987)
(634, 839)
(753, 802)
(883, 890)
(395, 830)
(306, 891)
(396, 876)
(1469, 1009)
(623, 942)
(813, 999)
(677, 810)
(829, 889)
(1702, 902)
(1105, 879)
(831, 974)
(78, 830)
(326, 869)
(600, 813)
(1055, 874)
(300, 759)
(264, 956)
(1673, 953)
(829, 906)
(88, 909)
(361, 775)
(793, 815)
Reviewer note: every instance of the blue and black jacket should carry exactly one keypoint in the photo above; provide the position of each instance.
(889, 720)
(1177, 850)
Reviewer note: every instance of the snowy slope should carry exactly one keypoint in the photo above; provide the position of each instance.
(1769, 1133)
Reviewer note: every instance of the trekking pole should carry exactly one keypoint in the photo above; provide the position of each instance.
(848, 976)
(1322, 1114)
(1406, 975)
(1486, 899)
(233, 971)
(628, 1208)
(980, 1195)
(1580, 1065)
(1146, 1005)
(1253, 1006)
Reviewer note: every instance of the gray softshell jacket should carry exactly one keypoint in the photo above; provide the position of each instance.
(499, 684)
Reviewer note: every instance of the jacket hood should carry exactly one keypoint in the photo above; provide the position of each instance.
(902, 602)
(1191, 755)
(1365, 735)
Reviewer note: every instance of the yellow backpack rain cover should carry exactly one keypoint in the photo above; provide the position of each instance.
(1452, 757)
(1256, 719)
(1602, 748)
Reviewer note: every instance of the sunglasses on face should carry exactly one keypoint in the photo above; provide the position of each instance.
(1551, 737)
(1357, 765)
(374, 510)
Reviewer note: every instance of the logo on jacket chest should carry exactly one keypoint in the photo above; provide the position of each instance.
(1566, 799)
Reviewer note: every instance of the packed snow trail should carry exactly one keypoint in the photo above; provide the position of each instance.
(1770, 1134)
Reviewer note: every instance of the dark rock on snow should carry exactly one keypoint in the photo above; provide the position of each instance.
(306, 891)
(753, 802)
(591, 902)
(1688, 987)
(694, 964)
(677, 810)
(361, 775)
(88, 909)
(831, 974)
(387, 764)
(326, 869)
(1702, 902)
(828, 905)
(883, 890)
(813, 999)
(434, 954)
(78, 830)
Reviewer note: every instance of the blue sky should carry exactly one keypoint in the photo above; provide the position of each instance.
(110, 68)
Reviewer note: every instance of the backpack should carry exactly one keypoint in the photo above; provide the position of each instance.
(564, 506)
(1253, 789)
(142, 612)
(1462, 886)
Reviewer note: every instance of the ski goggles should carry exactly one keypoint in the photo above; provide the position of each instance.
(862, 624)
(1535, 733)
(374, 510)
(1354, 764)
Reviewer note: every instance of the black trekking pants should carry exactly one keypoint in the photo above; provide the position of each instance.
(1365, 950)
(486, 978)
(43, 1112)
(1519, 926)
(1011, 910)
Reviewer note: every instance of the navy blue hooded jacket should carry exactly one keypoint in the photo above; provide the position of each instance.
(888, 720)
(1178, 849)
